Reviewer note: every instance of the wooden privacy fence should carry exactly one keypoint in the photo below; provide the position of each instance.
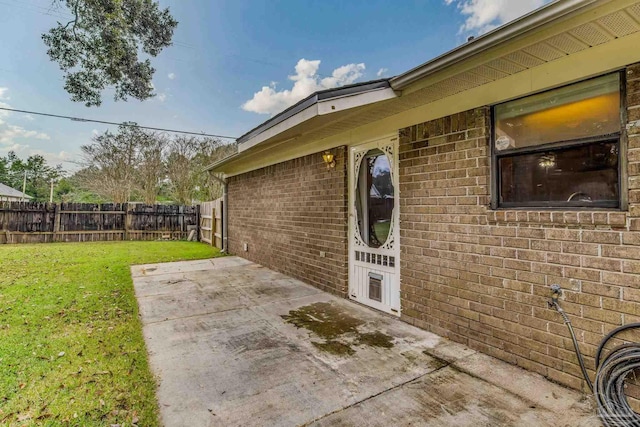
(27, 222)
(211, 223)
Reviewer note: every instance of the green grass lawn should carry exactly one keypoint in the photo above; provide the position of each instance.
(71, 345)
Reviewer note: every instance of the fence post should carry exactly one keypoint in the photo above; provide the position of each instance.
(183, 219)
(198, 223)
(56, 221)
(127, 221)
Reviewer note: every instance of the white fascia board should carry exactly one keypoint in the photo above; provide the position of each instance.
(304, 115)
(334, 105)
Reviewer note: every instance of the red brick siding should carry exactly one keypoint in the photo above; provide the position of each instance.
(288, 213)
(481, 277)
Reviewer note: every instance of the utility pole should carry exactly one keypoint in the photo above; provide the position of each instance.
(51, 192)
(24, 185)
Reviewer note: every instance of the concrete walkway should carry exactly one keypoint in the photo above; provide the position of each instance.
(236, 344)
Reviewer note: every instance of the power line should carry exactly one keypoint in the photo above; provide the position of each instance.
(42, 11)
(80, 119)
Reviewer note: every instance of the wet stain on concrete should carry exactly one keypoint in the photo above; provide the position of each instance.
(330, 322)
(324, 319)
(335, 347)
(375, 339)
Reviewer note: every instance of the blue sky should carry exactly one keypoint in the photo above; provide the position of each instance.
(234, 63)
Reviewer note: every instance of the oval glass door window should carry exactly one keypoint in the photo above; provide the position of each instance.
(374, 198)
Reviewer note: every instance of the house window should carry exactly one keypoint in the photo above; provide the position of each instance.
(560, 148)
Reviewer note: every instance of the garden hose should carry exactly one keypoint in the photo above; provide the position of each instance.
(608, 388)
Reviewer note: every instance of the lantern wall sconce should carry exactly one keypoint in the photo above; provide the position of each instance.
(547, 161)
(329, 159)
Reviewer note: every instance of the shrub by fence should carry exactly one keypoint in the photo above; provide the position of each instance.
(27, 222)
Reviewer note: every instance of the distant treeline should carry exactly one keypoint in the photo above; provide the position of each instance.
(131, 164)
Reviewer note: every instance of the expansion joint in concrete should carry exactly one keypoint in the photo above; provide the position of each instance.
(373, 396)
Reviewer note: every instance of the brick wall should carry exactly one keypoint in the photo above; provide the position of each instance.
(482, 277)
(291, 212)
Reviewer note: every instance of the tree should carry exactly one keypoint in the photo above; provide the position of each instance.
(124, 166)
(74, 189)
(187, 159)
(134, 164)
(182, 151)
(151, 169)
(38, 173)
(99, 47)
(110, 162)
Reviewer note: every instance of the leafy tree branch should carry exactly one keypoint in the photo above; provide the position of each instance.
(99, 47)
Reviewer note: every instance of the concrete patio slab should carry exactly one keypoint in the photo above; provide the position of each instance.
(236, 344)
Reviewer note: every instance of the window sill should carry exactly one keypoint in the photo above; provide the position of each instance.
(613, 219)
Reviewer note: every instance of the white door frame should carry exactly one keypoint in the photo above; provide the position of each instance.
(379, 262)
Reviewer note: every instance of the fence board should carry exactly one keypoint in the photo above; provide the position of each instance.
(217, 230)
(27, 222)
(211, 222)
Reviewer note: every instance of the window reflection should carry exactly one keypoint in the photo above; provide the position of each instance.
(578, 111)
(579, 176)
(375, 198)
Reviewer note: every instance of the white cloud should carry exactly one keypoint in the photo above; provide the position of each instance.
(306, 81)
(381, 72)
(9, 133)
(162, 97)
(485, 15)
(53, 158)
(171, 76)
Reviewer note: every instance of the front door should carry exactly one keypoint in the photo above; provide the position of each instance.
(374, 244)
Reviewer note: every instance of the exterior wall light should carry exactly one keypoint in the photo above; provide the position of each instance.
(329, 159)
(547, 161)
